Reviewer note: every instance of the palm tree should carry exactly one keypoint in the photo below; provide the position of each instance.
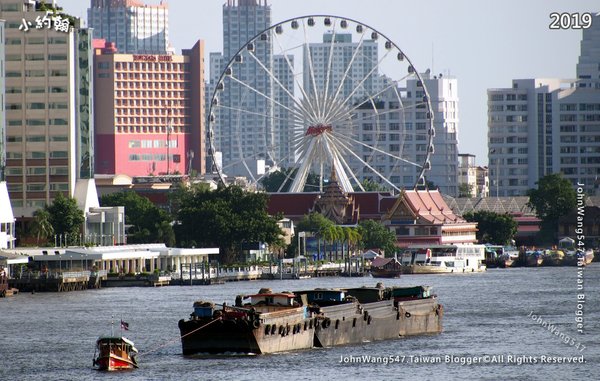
(339, 237)
(329, 234)
(352, 236)
(41, 226)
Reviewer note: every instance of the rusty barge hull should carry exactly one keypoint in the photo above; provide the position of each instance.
(271, 333)
(353, 324)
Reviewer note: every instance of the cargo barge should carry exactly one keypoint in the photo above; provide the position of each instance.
(356, 315)
(274, 322)
(261, 323)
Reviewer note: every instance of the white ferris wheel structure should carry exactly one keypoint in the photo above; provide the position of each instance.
(321, 94)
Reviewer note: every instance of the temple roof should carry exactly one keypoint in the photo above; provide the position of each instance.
(427, 206)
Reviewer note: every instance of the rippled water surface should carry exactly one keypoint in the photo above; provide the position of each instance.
(51, 336)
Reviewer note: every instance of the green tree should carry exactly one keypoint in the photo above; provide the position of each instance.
(316, 224)
(493, 227)
(369, 186)
(352, 237)
(553, 198)
(375, 235)
(465, 190)
(65, 217)
(272, 182)
(148, 223)
(225, 218)
(41, 226)
(331, 235)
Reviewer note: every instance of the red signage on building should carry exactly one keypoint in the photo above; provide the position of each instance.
(152, 58)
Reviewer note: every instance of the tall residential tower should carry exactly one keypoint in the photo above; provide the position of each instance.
(48, 100)
(251, 137)
(544, 126)
(133, 26)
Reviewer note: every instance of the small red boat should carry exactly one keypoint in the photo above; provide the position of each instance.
(115, 353)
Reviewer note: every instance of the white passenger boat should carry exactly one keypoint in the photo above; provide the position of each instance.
(443, 259)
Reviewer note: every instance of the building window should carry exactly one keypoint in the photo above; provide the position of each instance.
(59, 171)
(36, 171)
(57, 89)
(35, 138)
(59, 154)
(36, 187)
(58, 122)
(61, 187)
(35, 73)
(36, 106)
(14, 171)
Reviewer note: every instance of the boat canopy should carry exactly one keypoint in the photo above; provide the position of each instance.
(117, 339)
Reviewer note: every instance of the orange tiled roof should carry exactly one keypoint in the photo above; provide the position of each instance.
(430, 206)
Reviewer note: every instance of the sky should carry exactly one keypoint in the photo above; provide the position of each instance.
(483, 43)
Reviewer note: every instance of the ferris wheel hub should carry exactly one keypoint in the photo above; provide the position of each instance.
(318, 129)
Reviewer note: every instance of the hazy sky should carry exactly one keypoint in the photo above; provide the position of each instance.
(483, 43)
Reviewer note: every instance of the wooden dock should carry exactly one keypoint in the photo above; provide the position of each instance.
(62, 281)
(52, 281)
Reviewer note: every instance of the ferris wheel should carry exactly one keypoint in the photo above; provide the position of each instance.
(324, 97)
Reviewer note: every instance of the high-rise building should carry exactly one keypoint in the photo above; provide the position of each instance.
(134, 27)
(282, 114)
(403, 133)
(443, 95)
(2, 110)
(521, 135)
(244, 140)
(149, 112)
(7, 219)
(320, 71)
(539, 127)
(544, 126)
(48, 101)
(588, 67)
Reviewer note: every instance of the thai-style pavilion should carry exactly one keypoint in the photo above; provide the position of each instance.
(415, 216)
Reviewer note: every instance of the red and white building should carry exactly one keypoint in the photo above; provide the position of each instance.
(417, 217)
(149, 112)
(422, 217)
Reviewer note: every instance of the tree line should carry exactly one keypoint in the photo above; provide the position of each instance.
(229, 216)
(225, 218)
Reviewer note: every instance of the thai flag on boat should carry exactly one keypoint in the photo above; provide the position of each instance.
(124, 325)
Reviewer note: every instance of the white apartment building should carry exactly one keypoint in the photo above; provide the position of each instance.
(135, 28)
(542, 126)
(443, 94)
(318, 65)
(483, 182)
(404, 133)
(467, 175)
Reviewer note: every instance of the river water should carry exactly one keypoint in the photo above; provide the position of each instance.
(495, 327)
